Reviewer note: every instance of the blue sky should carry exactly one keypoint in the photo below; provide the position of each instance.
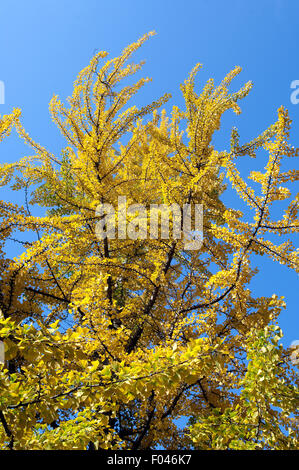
(44, 44)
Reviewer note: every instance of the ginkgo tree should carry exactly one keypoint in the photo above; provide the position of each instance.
(109, 341)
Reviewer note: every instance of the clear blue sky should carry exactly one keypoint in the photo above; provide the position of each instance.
(44, 44)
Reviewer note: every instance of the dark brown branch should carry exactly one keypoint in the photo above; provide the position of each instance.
(7, 430)
(133, 340)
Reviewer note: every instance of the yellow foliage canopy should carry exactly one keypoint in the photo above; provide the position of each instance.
(108, 342)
